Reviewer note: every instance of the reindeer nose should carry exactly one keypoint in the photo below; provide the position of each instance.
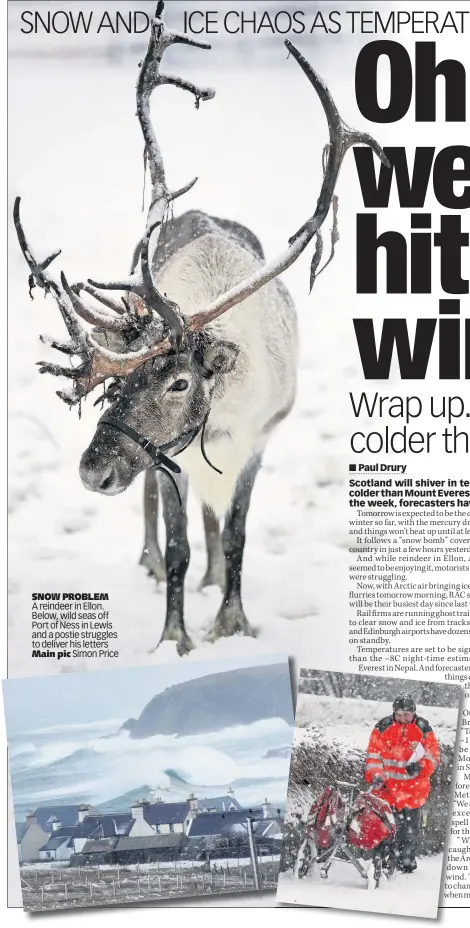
(100, 478)
(101, 475)
(107, 480)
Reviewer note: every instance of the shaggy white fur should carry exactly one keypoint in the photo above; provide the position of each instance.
(261, 386)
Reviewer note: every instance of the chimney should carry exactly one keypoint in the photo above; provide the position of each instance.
(138, 808)
(192, 812)
(231, 793)
(56, 824)
(158, 799)
(193, 803)
(31, 819)
(268, 811)
(83, 811)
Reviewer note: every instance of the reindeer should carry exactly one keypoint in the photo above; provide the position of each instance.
(201, 356)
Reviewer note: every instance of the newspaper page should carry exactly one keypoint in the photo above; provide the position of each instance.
(239, 356)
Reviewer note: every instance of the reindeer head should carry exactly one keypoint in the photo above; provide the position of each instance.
(167, 399)
(164, 368)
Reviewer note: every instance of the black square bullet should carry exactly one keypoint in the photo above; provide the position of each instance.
(352, 467)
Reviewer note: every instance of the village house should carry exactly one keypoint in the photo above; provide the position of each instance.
(59, 846)
(226, 803)
(99, 827)
(152, 818)
(211, 826)
(30, 838)
(208, 806)
(45, 822)
(150, 831)
(127, 851)
(161, 818)
(67, 840)
(230, 829)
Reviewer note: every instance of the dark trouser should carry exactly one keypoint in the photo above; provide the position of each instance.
(408, 822)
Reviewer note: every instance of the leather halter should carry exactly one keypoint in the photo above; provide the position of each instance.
(160, 461)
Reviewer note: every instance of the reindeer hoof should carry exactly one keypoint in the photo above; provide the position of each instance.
(215, 576)
(183, 642)
(153, 563)
(231, 620)
(184, 645)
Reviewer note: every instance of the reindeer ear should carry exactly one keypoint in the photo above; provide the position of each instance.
(219, 357)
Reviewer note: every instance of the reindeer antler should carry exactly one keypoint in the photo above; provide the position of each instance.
(341, 138)
(141, 282)
(97, 362)
(154, 325)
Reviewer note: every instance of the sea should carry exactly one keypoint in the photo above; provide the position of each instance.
(99, 763)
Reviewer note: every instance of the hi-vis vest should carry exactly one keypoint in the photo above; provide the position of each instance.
(392, 746)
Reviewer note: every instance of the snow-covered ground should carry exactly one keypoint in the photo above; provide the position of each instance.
(224, 862)
(81, 190)
(413, 894)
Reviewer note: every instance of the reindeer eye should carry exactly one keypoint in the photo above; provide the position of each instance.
(179, 386)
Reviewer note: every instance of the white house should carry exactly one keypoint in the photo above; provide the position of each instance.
(60, 843)
(57, 848)
(163, 818)
(31, 838)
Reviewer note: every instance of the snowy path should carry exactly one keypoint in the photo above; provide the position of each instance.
(406, 894)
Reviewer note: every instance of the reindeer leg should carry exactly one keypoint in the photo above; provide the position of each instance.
(231, 619)
(176, 561)
(215, 573)
(152, 557)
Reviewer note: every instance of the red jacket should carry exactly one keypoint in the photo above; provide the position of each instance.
(393, 745)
